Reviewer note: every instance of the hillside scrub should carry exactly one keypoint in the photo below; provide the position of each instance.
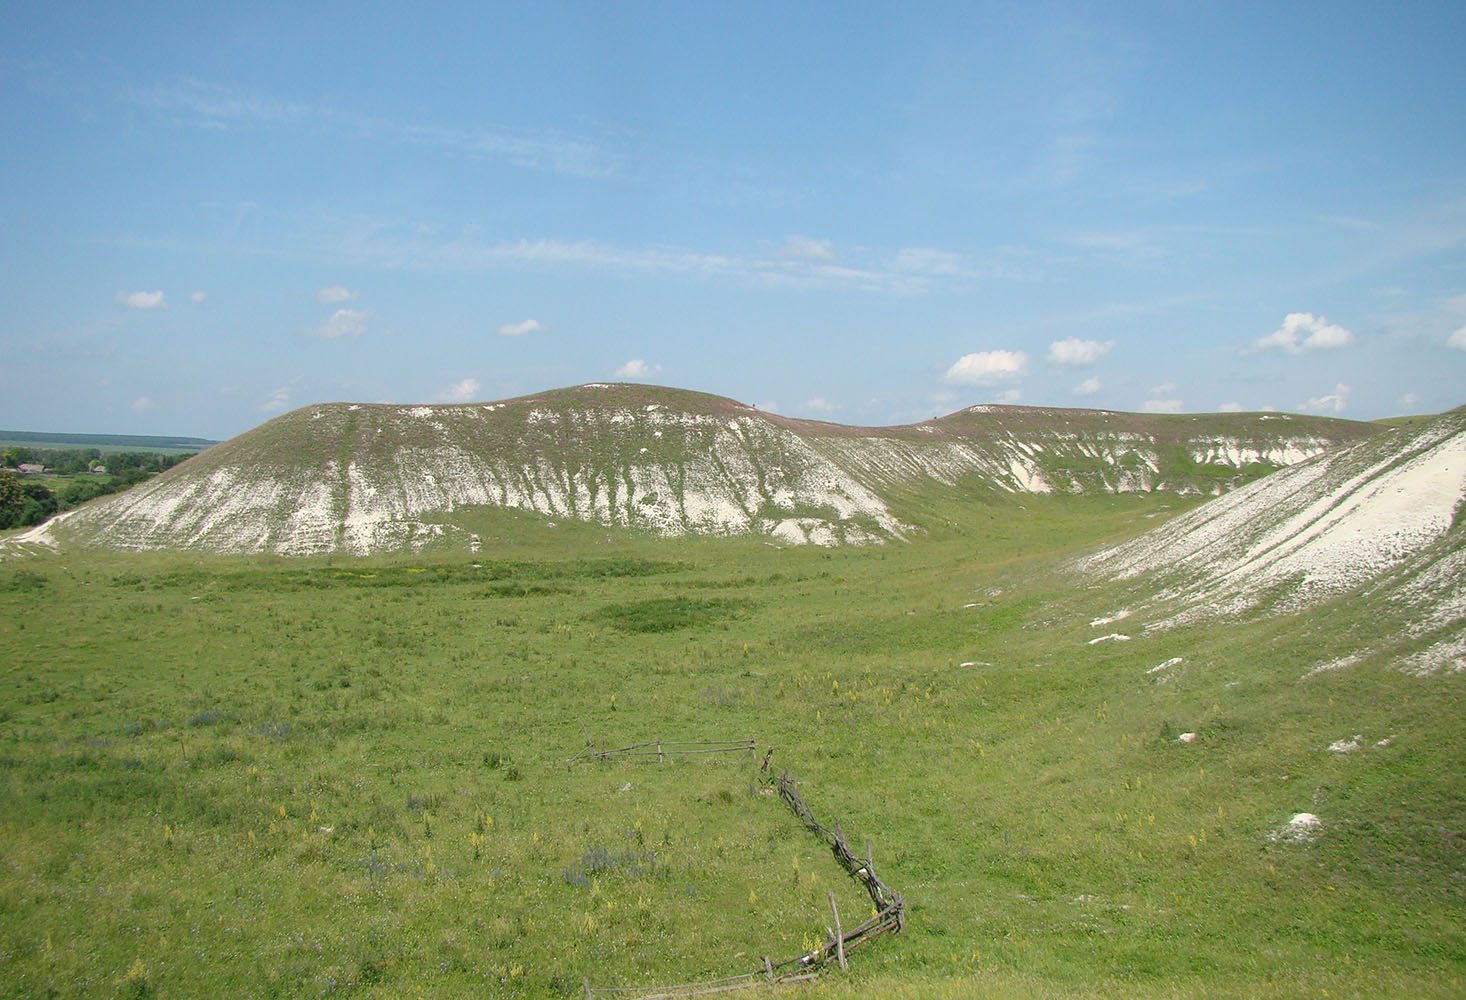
(257, 777)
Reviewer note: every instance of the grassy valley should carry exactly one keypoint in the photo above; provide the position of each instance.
(258, 777)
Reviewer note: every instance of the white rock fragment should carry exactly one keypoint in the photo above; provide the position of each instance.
(1347, 746)
(1303, 828)
(1186, 738)
(1174, 661)
(1116, 617)
(1115, 636)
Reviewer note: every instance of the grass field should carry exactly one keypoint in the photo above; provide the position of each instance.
(257, 778)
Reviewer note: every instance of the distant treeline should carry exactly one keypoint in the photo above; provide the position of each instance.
(26, 501)
(106, 442)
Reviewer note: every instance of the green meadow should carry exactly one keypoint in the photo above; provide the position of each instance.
(252, 777)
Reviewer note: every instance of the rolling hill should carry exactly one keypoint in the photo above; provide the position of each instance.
(360, 478)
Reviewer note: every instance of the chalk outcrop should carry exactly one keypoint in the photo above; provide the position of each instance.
(362, 478)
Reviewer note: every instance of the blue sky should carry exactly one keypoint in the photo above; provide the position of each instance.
(863, 213)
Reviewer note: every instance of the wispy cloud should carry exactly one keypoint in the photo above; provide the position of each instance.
(1305, 332)
(805, 248)
(1088, 387)
(1078, 353)
(143, 405)
(521, 328)
(141, 300)
(343, 323)
(988, 368)
(1229, 408)
(819, 404)
(277, 400)
(1334, 402)
(1162, 406)
(332, 294)
(208, 105)
(460, 392)
(637, 369)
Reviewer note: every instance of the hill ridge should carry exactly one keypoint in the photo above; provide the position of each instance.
(361, 477)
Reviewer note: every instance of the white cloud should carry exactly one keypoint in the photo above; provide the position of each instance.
(343, 323)
(1334, 402)
(141, 300)
(1457, 339)
(1302, 332)
(1088, 387)
(988, 368)
(460, 392)
(277, 400)
(1409, 400)
(197, 298)
(768, 405)
(1008, 396)
(820, 405)
(1073, 351)
(143, 404)
(1162, 406)
(1229, 408)
(637, 368)
(805, 248)
(520, 329)
(332, 294)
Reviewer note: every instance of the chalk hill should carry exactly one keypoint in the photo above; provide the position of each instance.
(362, 478)
(1381, 519)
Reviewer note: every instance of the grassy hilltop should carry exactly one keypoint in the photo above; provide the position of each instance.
(251, 776)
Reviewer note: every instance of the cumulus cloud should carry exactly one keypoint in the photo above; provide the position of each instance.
(343, 323)
(820, 405)
(520, 329)
(141, 300)
(1334, 402)
(1304, 332)
(197, 298)
(143, 404)
(805, 248)
(1409, 400)
(332, 294)
(1088, 387)
(460, 392)
(1457, 339)
(1076, 352)
(637, 368)
(988, 368)
(1162, 406)
(1229, 408)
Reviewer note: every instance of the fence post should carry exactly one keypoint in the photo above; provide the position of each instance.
(586, 983)
(769, 969)
(839, 934)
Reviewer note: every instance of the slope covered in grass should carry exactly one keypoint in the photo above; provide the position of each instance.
(259, 777)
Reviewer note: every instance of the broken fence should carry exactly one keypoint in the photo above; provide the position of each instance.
(890, 916)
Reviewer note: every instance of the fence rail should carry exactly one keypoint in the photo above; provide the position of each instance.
(664, 750)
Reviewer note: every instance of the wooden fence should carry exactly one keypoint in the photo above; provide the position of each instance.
(890, 916)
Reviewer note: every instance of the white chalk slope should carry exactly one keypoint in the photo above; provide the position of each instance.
(1379, 515)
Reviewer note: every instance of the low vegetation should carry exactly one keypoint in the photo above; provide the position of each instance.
(255, 777)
